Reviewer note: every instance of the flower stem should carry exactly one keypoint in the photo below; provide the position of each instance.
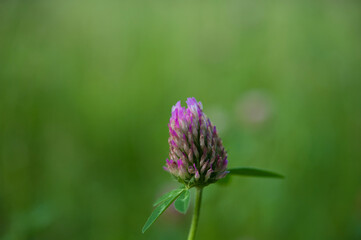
(197, 207)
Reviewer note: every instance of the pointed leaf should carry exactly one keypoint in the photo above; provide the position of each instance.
(159, 210)
(168, 195)
(255, 172)
(182, 203)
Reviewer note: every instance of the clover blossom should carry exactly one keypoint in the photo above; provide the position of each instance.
(196, 153)
(196, 158)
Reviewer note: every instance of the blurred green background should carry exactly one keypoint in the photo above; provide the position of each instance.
(86, 89)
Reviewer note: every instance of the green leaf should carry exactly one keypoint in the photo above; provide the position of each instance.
(182, 203)
(168, 195)
(160, 209)
(255, 172)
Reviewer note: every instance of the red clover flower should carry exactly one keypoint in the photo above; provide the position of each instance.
(196, 153)
(196, 159)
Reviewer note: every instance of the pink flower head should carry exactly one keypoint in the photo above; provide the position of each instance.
(197, 156)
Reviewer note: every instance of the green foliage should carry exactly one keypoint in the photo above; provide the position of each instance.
(181, 196)
(253, 172)
(168, 195)
(182, 203)
(164, 202)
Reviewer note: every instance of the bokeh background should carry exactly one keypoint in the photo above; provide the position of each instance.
(86, 89)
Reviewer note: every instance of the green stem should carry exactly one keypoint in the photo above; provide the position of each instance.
(197, 208)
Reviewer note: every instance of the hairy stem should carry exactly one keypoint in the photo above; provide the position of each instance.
(197, 207)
